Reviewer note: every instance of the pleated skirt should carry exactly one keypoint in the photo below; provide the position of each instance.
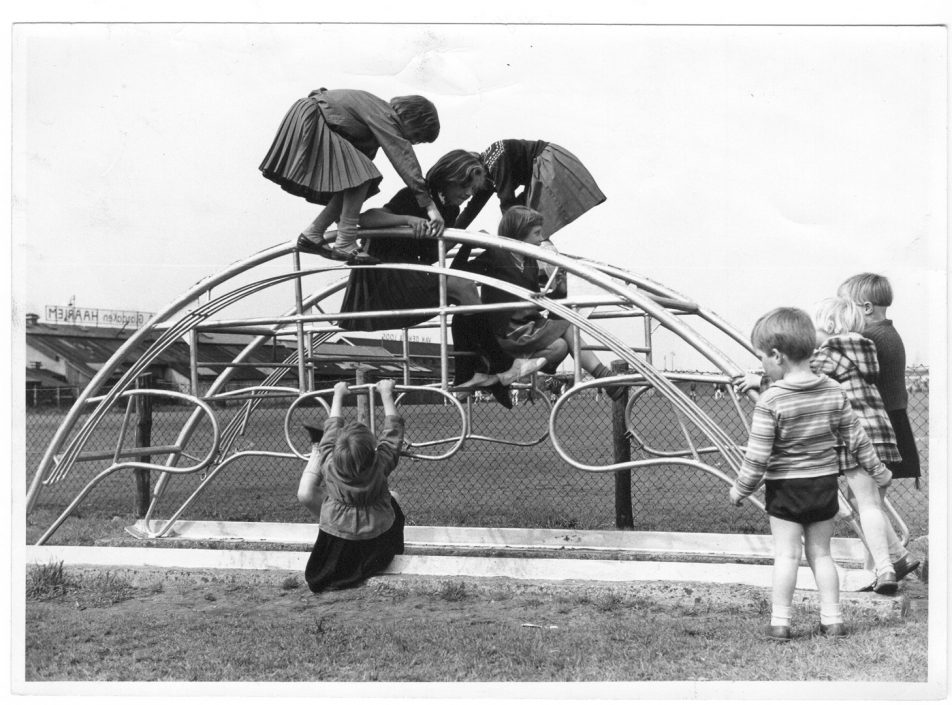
(382, 290)
(337, 563)
(561, 188)
(308, 159)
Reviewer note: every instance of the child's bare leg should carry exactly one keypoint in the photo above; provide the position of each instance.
(868, 504)
(817, 546)
(787, 552)
(310, 489)
(897, 551)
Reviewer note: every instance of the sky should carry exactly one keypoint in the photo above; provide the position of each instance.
(746, 167)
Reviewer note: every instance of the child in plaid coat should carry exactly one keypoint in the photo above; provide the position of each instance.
(845, 356)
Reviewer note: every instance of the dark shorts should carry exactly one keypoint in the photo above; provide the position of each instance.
(803, 500)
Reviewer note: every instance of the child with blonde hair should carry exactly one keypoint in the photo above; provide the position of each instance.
(847, 357)
(796, 426)
(344, 484)
(874, 294)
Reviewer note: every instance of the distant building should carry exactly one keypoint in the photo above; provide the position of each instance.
(62, 359)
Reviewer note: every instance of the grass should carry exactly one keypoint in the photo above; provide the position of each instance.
(234, 626)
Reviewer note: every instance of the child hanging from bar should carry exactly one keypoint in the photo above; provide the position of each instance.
(344, 485)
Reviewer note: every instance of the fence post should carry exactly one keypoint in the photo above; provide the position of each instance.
(143, 440)
(622, 454)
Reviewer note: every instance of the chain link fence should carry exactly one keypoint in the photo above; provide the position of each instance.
(509, 476)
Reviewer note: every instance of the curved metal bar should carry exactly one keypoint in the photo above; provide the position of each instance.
(904, 533)
(369, 389)
(207, 480)
(60, 471)
(136, 465)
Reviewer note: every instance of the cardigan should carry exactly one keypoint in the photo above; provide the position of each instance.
(357, 506)
(369, 123)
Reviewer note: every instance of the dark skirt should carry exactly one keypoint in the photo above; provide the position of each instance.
(906, 440)
(527, 339)
(381, 290)
(308, 159)
(802, 500)
(561, 188)
(337, 563)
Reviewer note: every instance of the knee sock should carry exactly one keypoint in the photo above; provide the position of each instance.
(780, 615)
(346, 234)
(831, 614)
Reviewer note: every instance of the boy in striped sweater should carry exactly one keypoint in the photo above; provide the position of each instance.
(796, 426)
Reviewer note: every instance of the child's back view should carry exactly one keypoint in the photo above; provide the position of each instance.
(874, 295)
(345, 484)
(796, 426)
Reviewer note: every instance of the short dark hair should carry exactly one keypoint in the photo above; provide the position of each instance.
(789, 330)
(518, 221)
(418, 116)
(457, 167)
(874, 288)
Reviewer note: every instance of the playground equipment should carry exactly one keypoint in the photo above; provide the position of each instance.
(622, 297)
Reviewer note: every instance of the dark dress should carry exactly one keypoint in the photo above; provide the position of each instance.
(519, 333)
(553, 181)
(891, 354)
(386, 289)
(336, 563)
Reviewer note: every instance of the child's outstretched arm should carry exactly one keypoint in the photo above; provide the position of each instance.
(392, 438)
(341, 389)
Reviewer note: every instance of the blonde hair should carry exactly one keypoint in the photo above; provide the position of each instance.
(839, 315)
(874, 288)
(788, 330)
(354, 450)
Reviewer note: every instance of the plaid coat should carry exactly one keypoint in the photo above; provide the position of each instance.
(850, 359)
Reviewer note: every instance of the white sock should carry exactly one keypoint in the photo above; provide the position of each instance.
(346, 235)
(780, 615)
(831, 614)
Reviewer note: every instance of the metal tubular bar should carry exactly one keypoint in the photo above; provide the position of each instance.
(652, 299)
(299, 310)
(405, 338)
(193, 360)
(140, 465)
(444, 348)
(122, 429)
(357, 388)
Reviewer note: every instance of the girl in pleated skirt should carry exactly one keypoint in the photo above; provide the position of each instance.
(323, 152)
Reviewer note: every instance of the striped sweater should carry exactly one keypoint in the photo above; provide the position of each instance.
(794, 432)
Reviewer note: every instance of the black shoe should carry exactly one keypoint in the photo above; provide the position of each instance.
(316, 434)
(501, 394)
(358, 258)
(886, 583)
(776, 633)
(904, 566)
(322, 248)
(833, 631)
